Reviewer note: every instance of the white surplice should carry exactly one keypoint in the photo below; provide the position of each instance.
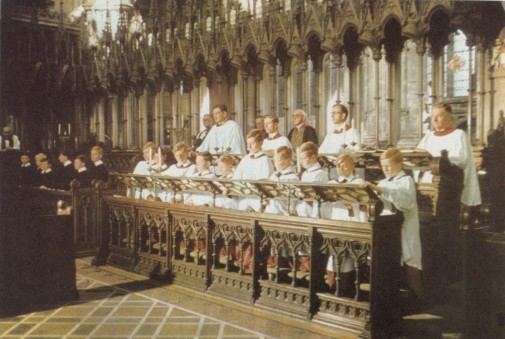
(460, 154)
(315, 173)
(280, 205)
(255, 166)
(334, 140)
(399, 193)
(224, 138)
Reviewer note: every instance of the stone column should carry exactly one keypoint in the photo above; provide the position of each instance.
(420, 49)
(377, 55)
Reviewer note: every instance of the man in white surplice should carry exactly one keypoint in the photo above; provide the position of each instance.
(225, 136)
(459, 148)
(343, 137)
(274, 139)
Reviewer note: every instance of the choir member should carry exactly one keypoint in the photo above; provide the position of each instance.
(47, 177)
(308, 156)
(225, 165)
(398, 193)
(27, 172)
(67, 172)
(82, 173)
(225, 136)
(343, 137)
(254, 166)
(285, 172)
(143, 166)
(98, 170)
(202, 163)
(348, 212)
(274, 139)
(183, 168)
(301, 132)
(459, 149)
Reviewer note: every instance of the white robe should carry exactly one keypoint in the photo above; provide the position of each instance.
(223, 201)
(226, 138)
(275, 143)
(201, 199)
(256, 166)
(315, 173)
(333, 142)
(280, 205)
(400, 193)
(460, 154)
(177, 170)
(339, 210)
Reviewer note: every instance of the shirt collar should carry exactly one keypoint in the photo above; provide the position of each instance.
(272, 136)
(257, 155)
(82, 169)
(26, 165)
(98, 162)
(184, 164)
(445, 131)
(314, 168)
(67, 163)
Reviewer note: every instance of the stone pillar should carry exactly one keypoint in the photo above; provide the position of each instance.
(420, 49)
(481, 91)
(377, 55)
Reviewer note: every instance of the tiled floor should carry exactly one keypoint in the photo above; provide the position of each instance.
(118, 304)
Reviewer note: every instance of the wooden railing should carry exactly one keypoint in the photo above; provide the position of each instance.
(206, 249)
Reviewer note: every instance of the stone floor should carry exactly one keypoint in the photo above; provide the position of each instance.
(118, 304)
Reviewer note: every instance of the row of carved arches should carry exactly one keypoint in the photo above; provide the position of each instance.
(386, 71)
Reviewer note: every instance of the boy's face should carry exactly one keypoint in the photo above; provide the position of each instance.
(345, 168)
(62, 158)
(145, 154)
(44, 165)
(283, 162)
(181, 156)
(201, 164)
(338, 115)
(78, 164)
(270, 125)
(307, 160)
(25, 159)
(95, 155)
(391, 168)
(224, 168)
(253, 146)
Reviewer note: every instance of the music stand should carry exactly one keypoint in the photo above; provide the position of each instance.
(129, 181)
(275, 190)
(202, 185)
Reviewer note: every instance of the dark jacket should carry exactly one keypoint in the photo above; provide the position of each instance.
(99, 172)
(65, 175)
(84, 178)
(309, 134)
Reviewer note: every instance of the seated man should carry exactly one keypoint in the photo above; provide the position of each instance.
(202, 164)
(274, 139)
(344, 137)
(284, 172)
(183, 168)
(456, 142)
(82, 173)
(67, 172)
(398, 193)
(98, 171)
(254, 166)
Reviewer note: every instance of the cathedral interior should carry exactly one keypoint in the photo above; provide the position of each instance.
(121, 73)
